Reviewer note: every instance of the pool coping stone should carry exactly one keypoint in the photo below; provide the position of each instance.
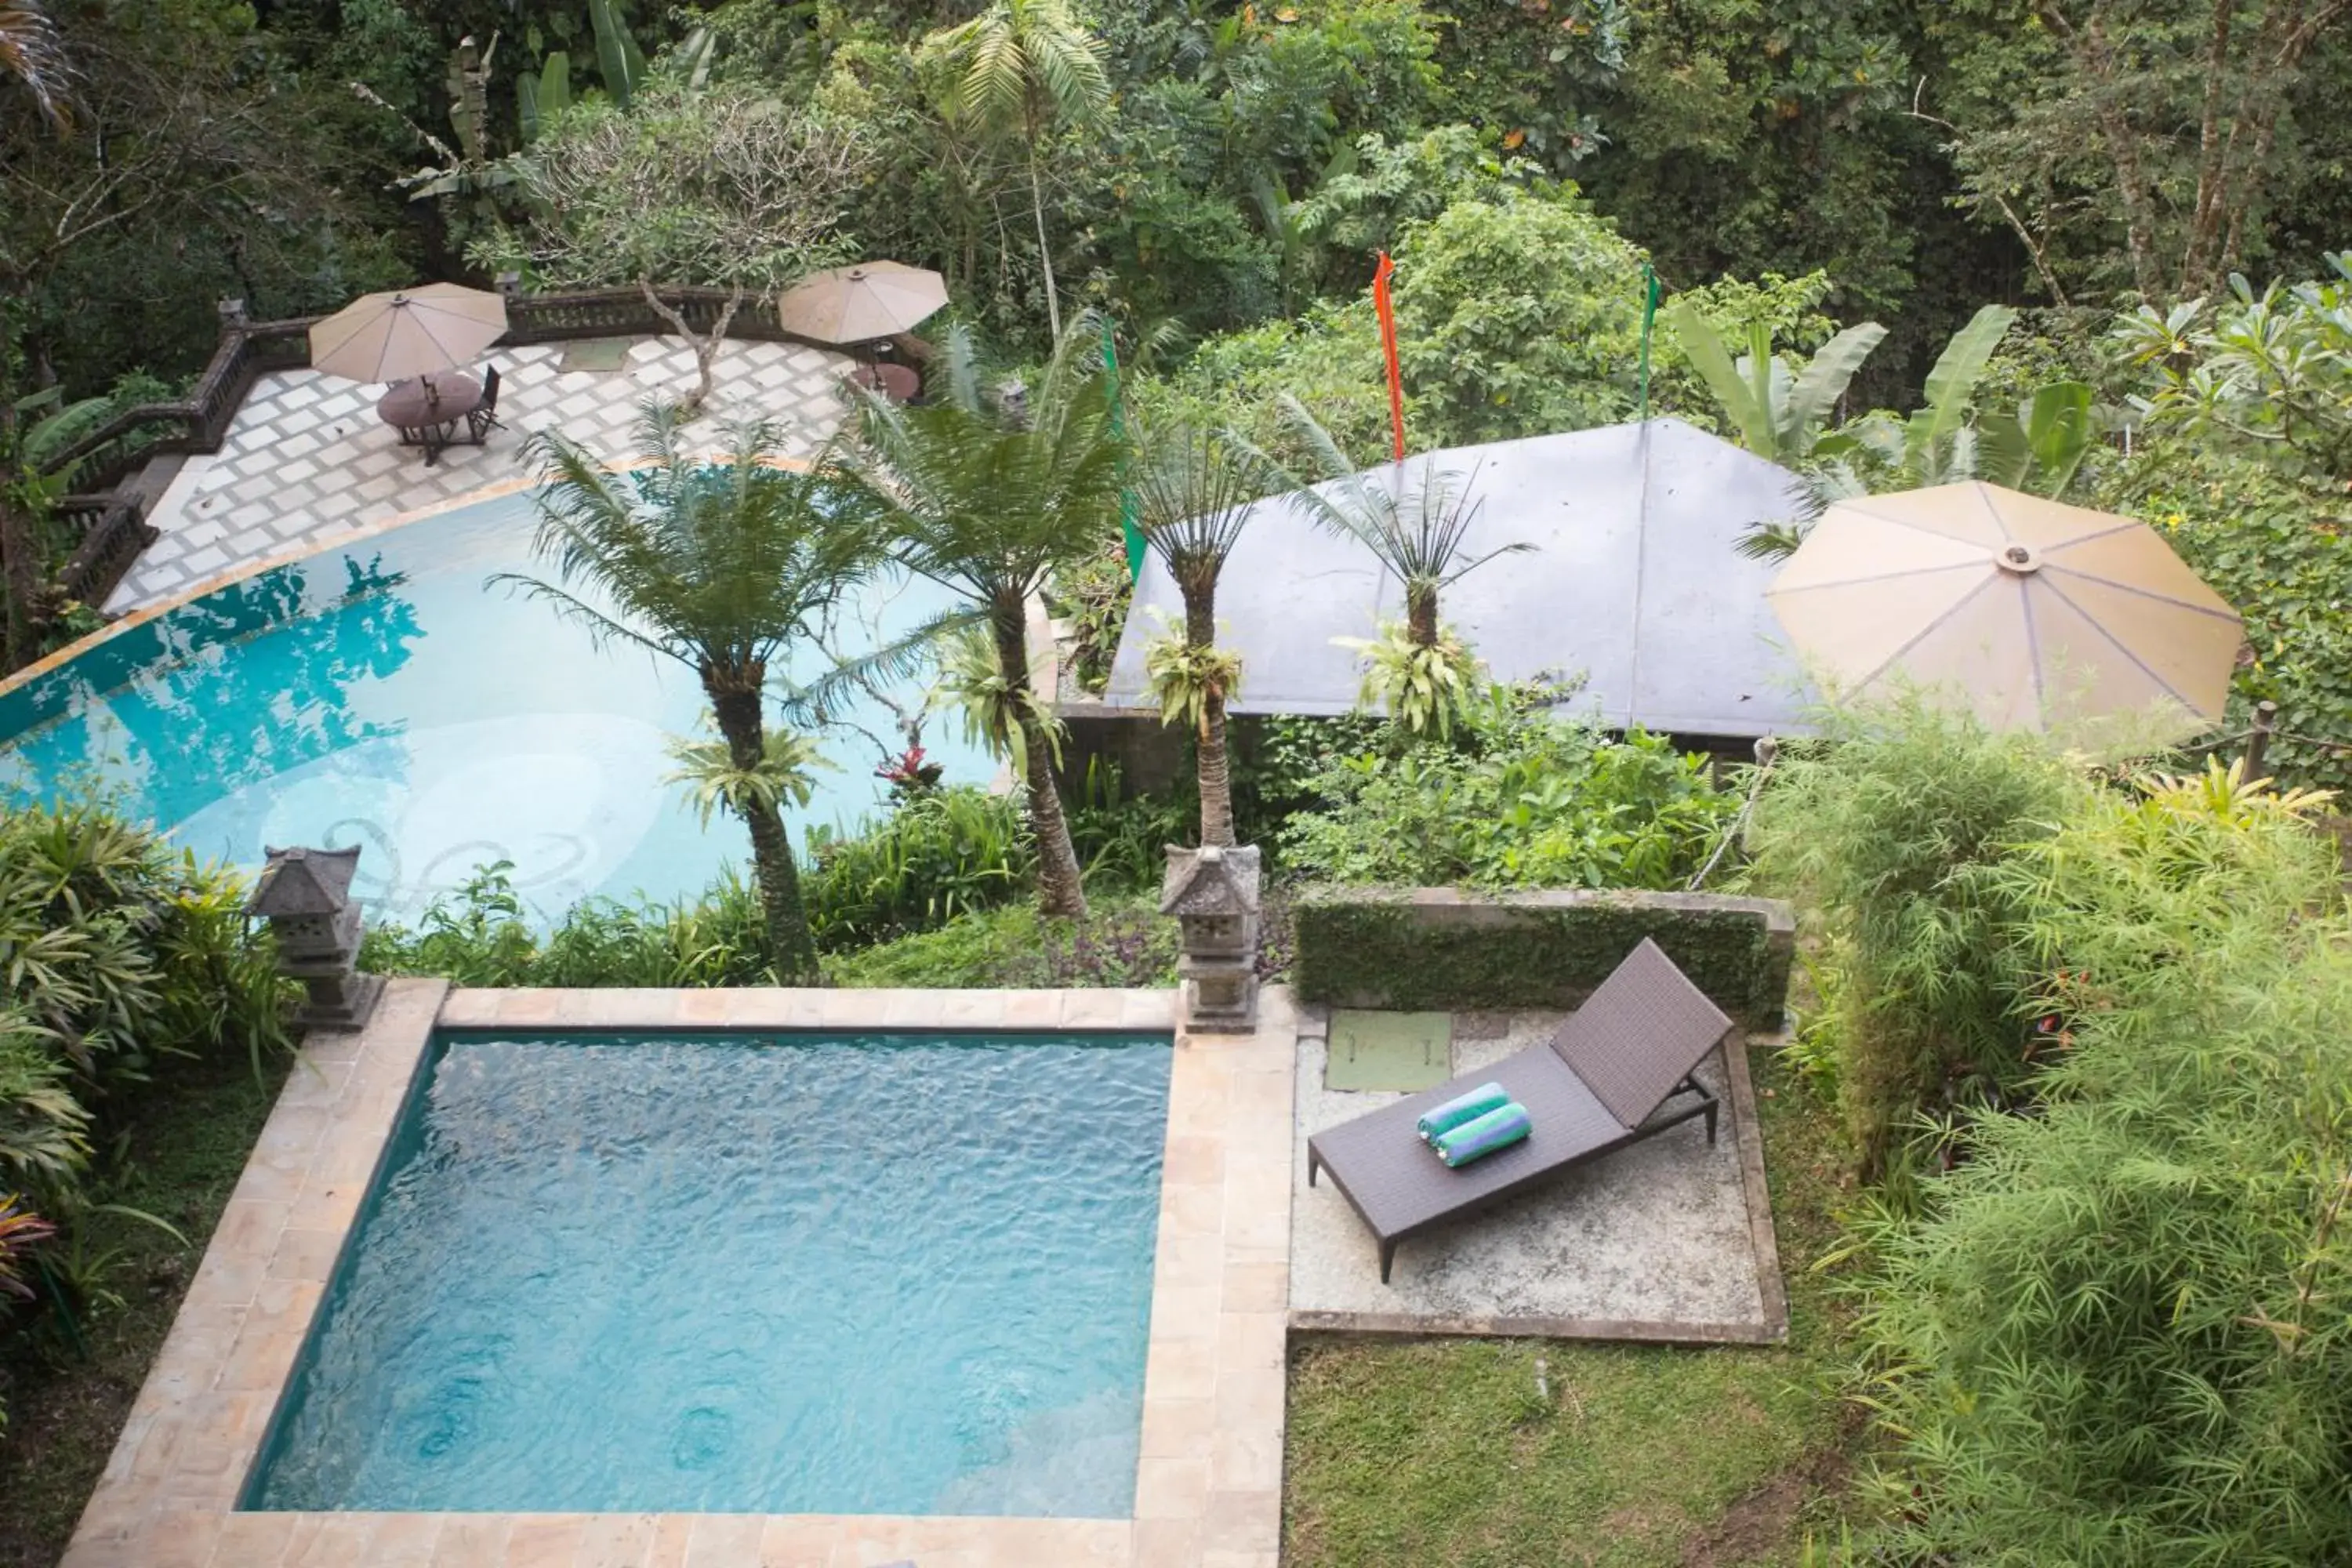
(1209, 1480)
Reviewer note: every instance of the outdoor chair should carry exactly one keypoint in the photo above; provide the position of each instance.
(1601, 1083)
(485, 417)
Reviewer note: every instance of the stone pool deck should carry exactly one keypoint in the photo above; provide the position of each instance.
(1209, 1483)
(1670, 1240)
(307, 461)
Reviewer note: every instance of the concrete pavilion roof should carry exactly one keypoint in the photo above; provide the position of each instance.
(1633, 581)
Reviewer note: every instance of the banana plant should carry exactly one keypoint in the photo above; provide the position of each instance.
(2040, 447)
(1937, 444)
(618, 59)
(1776, 413)
(543, 94)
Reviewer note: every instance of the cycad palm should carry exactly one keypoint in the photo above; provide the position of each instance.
(720, 564)
(1421, 533)
(1195, 488)
(987, 502)
(1023, 65)
(30, 53)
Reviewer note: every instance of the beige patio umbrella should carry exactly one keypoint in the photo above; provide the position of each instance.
(2037, 611)
(407, 333)
(855, 304)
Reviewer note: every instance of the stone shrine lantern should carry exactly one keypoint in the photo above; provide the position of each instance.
(306, 897)
(1212, 893)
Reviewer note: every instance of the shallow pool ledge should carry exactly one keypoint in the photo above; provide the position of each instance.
(1208, 1485)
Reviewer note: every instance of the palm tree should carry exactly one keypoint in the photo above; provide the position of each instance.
(1025, 65)
(1420, 533)
(988, 500)
(1194, 487)
(31, 55)
(721, 565)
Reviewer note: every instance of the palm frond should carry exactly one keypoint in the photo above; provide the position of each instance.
(31, 53)
(1194, 487)
(816, 703)
(717, 563)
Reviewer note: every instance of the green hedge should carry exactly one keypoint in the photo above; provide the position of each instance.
(1361, 947)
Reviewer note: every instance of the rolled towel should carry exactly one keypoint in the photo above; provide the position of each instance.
(1463, 1107)
(1475, 1140)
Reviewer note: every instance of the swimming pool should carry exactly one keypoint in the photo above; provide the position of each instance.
(787, 1274)
(384, 694)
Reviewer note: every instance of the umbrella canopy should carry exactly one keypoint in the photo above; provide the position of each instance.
(853, 304)
(2038, 610)
(412, 331)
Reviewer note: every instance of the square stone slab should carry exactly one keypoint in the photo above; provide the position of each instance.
(595, 353)
(1389, 1051)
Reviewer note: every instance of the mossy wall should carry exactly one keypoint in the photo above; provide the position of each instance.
(1438, 948)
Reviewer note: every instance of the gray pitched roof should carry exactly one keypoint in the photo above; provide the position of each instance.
(1633, 582)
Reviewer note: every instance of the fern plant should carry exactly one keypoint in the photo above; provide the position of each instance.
(1423, 687)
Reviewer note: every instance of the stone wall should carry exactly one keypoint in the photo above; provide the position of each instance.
(1444, 948)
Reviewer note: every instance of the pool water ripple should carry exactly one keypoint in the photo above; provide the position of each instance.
(894, 1275)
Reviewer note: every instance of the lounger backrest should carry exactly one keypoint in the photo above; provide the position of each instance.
(1639, 1033)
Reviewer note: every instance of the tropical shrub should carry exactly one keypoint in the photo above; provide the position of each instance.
(1882, 831)
(21, 1231)
(2117, 1334)
(1520, 799)
(2268, 374)
(1518, 317)
(116, 950)
(2279, 548)
(1122, 836)
(1118, 943)
(940, 854)
(482, 935)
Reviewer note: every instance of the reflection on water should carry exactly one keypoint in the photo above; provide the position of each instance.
(387, 697)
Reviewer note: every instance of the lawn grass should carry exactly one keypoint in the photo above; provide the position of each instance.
(186, 1142)
(1452, 1452)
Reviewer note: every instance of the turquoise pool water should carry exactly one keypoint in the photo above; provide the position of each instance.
(897, 1274)
(385, 695)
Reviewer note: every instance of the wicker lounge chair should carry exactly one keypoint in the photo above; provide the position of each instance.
(1601, 1082)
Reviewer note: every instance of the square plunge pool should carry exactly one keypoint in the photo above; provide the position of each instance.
(793, 1273)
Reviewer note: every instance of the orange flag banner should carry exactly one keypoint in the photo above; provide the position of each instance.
(1387, 311)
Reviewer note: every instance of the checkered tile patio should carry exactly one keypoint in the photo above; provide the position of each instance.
(306, 460)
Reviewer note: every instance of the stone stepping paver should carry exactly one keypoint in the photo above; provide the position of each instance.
(306, 460)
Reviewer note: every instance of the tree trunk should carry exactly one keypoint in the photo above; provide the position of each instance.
(1044, 251)
(2095, 55)
(1215, 769)
(772, 848)
(1420, 614)
(1060, 890)
(705, 347)
(21, 570)
(2212, 157)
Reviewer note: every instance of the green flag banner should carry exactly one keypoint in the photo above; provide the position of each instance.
(1127, 509)
(1649, 315)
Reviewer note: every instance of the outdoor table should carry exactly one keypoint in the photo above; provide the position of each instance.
(427, 409)
(898, 382)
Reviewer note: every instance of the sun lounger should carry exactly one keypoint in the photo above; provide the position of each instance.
(1603, 1081)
